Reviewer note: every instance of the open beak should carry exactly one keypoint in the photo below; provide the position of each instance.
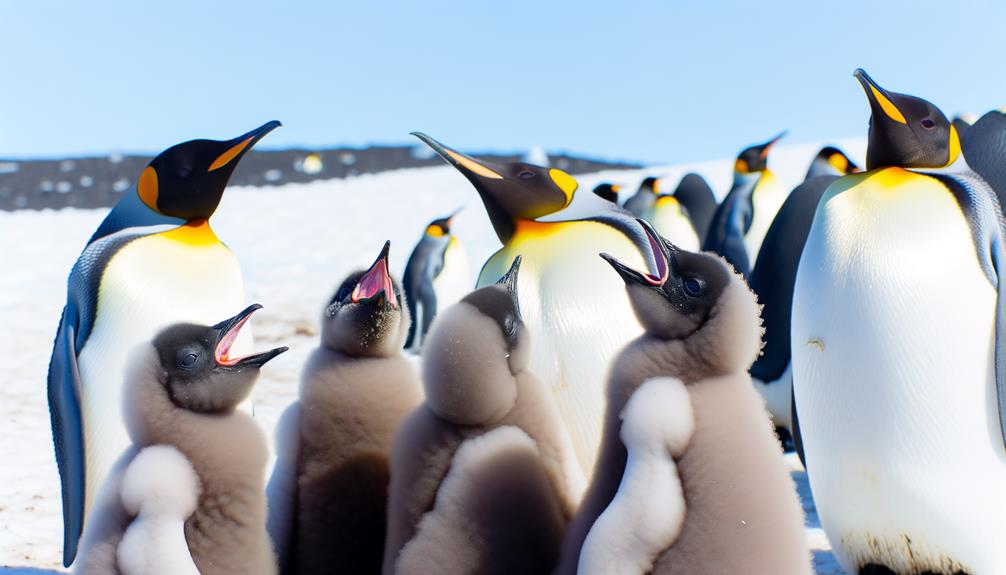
(509, 281)
(228, 331)
(376, 282)
(235, 149)
(661, 258)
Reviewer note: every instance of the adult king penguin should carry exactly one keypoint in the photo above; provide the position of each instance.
(743, 218)
(579, 313)
(644, 198)
(984, 148)
(436, 276)
(774, 275)
(898, 355)
(671, 219)
(154, 261)
(697, 198)
(607, 192)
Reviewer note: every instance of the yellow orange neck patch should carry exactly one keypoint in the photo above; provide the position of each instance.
(194, 233)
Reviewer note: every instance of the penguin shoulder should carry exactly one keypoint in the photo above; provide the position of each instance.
(161, 490)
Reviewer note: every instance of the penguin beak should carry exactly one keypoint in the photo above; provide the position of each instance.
(227, 332)
(467, 165)
(662, 255)
(235, 149)
(509, 281)
(768, 145)
(450, 218)
(375, 284)
(881, 101)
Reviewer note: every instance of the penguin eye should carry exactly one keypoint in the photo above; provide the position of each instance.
(188, 361)
(693, 286)
(510, 326)
(526, 174)
(928, 124)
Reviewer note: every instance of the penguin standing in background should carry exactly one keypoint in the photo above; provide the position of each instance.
(607, 192)
(154, 261)
(899, 379)
(830, 161)
(962, 123)
(671, 220)
(189, 496)
(774, 275)
(580, 316)
(644, 198)
(743, 218)
(483, 474)
(695, 195)
(328, 493)
(436, 275)
(984, 148)
(690, 479)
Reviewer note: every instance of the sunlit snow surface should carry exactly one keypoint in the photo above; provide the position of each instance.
(295, 243)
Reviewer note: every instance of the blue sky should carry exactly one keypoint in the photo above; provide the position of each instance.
(649, 81)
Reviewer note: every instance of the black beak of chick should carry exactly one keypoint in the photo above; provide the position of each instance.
(663, 253)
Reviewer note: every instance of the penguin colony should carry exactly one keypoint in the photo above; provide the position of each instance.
(601, 399)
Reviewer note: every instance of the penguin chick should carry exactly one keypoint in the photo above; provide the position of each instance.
(476, 381)
(180, 401)
(726, 501)
(355, 389)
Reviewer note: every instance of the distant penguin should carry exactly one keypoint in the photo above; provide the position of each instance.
(357, 386)
(189, 497)
(154, 261)
(644, 198)
(671, 220)
(697, 198)
(607, 192)
(483, 474)
(984, 148)
(774, 275)
(831, 161)
(580, 316)
(743, 218)
(690, 479)
(436, 276)
(962, 123)
(898, 365)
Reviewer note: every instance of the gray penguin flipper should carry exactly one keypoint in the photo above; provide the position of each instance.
(68, 429)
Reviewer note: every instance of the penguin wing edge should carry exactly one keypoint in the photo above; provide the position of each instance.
(67, 429)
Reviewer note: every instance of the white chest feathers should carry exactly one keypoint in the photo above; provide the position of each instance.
(161, 490)
(455, 278)
(648, 511)
(152, 282)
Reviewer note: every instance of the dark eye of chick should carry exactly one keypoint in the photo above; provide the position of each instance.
(693, 286)
(187, 360)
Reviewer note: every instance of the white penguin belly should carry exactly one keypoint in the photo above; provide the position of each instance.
(768, 196)
(893, 348)
(778, 398)
(149, 284)
(578, 315)
(674, 225)
(455, 279)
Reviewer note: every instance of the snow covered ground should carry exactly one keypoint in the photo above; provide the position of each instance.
(295, 243)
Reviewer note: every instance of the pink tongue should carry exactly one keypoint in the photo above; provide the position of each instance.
(372, 282)
(224, 347)
(658, 255)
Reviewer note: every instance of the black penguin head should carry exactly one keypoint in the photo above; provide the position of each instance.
(831, 161)
(961, 124)
(511, 191)
(678, 301)
(197, 369)
(607, 192)
(441, 227)
(366, 317)
(500, 303)
(650, 185)
(905, 131)
(187, 180)
(755, 158)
